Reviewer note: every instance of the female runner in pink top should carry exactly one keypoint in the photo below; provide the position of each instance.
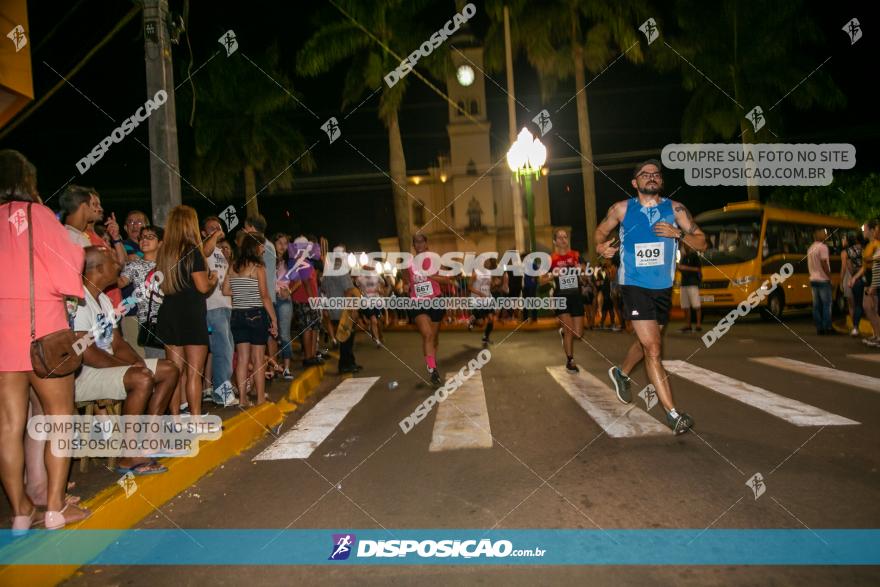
(426, 287)
(58, 264)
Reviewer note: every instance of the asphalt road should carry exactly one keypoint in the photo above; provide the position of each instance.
(550, 464)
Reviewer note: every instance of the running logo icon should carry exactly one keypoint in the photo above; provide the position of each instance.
(543, 121)
(756, 117)
(757, 485)
(18, 219)
(649, 395)
(331, 127)
(342, 546)
(649, 28)
(19, 38)
(229, 42)
(854, 30)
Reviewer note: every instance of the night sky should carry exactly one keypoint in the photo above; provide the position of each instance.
(631, 108)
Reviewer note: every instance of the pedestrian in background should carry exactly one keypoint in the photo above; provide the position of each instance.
(52, 281)
(690, 267)
(139, 275)
(338, 286)
(219, 310)
(283, 305)
(870, 271)
(183, 320)
(853, 289)
(819, 266)
(253, 315)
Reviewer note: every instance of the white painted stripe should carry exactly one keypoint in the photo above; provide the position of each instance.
(867, 357)
(790, 410)
(300, 441)
(463, 418)
(820, 372)
(601, 403)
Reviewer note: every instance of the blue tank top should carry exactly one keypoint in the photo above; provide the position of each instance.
(647, 260)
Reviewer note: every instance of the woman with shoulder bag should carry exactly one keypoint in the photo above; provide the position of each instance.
(38, 343)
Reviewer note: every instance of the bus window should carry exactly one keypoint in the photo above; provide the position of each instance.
(732, 238)
(785, 239)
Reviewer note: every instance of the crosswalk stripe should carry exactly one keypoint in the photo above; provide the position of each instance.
(463, 418)
(790, 410)
(300, 441)
(600, 402)
(820, 372)
(867, 357)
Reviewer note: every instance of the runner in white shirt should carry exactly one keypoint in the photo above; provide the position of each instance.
(372, 285)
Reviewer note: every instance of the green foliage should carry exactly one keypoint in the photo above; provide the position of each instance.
(363, 44)
(753, 53)
(242, 118)
(850, 195)
(548, 31)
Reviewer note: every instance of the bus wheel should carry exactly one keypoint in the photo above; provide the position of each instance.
(775, 307)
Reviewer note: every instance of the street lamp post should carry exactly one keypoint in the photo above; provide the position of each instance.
(525, 159)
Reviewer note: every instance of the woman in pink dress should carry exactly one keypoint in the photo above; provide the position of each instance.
(57, 273)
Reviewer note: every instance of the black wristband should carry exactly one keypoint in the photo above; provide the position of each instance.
(117, 241)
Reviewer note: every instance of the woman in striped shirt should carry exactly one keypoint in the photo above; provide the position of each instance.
(253, 315)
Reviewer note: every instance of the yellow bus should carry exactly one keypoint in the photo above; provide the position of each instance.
(750, 241)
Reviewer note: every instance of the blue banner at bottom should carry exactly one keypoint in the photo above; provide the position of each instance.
(442, 547)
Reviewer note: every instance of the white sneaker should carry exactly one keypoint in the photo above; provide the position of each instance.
(854, 332)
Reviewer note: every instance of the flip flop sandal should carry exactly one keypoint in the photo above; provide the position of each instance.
(143, 469)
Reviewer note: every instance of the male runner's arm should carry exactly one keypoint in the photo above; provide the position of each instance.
(614, 217)
(688, 232)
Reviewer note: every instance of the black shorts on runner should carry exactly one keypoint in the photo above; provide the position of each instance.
(435, 314)
(640, 303)
(370, 312)
(574, 305)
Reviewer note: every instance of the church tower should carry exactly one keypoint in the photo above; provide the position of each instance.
(470, 188)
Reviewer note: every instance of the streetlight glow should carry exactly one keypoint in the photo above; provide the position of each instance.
(527, 154)
(526, 159)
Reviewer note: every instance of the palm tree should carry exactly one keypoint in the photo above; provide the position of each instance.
(564, 39)
(361, 41)
(754, 54)
(245, 128)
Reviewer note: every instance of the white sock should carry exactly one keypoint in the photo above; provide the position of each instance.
(673, 413)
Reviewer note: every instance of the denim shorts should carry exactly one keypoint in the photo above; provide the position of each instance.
(250, 325)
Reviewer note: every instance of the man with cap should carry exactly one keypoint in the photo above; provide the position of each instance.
(651, 227)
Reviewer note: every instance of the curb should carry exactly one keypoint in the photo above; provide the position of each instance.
(239, 433)
(845, 327)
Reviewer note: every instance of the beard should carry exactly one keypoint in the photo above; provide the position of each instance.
(651, 189)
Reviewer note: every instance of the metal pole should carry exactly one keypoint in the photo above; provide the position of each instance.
(530, 210)
(511, 125)
(164, 161)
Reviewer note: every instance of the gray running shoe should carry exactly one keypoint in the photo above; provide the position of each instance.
(681, 424)
(621, 384)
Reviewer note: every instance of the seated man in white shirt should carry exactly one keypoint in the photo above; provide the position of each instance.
(111, 368)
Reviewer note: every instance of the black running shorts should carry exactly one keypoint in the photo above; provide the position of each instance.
(640, 303)
(574, 305)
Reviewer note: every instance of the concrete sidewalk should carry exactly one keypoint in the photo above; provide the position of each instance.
(112, 509)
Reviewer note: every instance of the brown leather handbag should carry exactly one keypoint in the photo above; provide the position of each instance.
(52, 355)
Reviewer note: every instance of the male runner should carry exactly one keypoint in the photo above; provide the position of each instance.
(651, 227)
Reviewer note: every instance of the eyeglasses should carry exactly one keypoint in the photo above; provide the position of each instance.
(135, 223)
(148, 237)
(646, 175)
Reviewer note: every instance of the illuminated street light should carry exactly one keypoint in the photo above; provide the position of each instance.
(526, 159)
